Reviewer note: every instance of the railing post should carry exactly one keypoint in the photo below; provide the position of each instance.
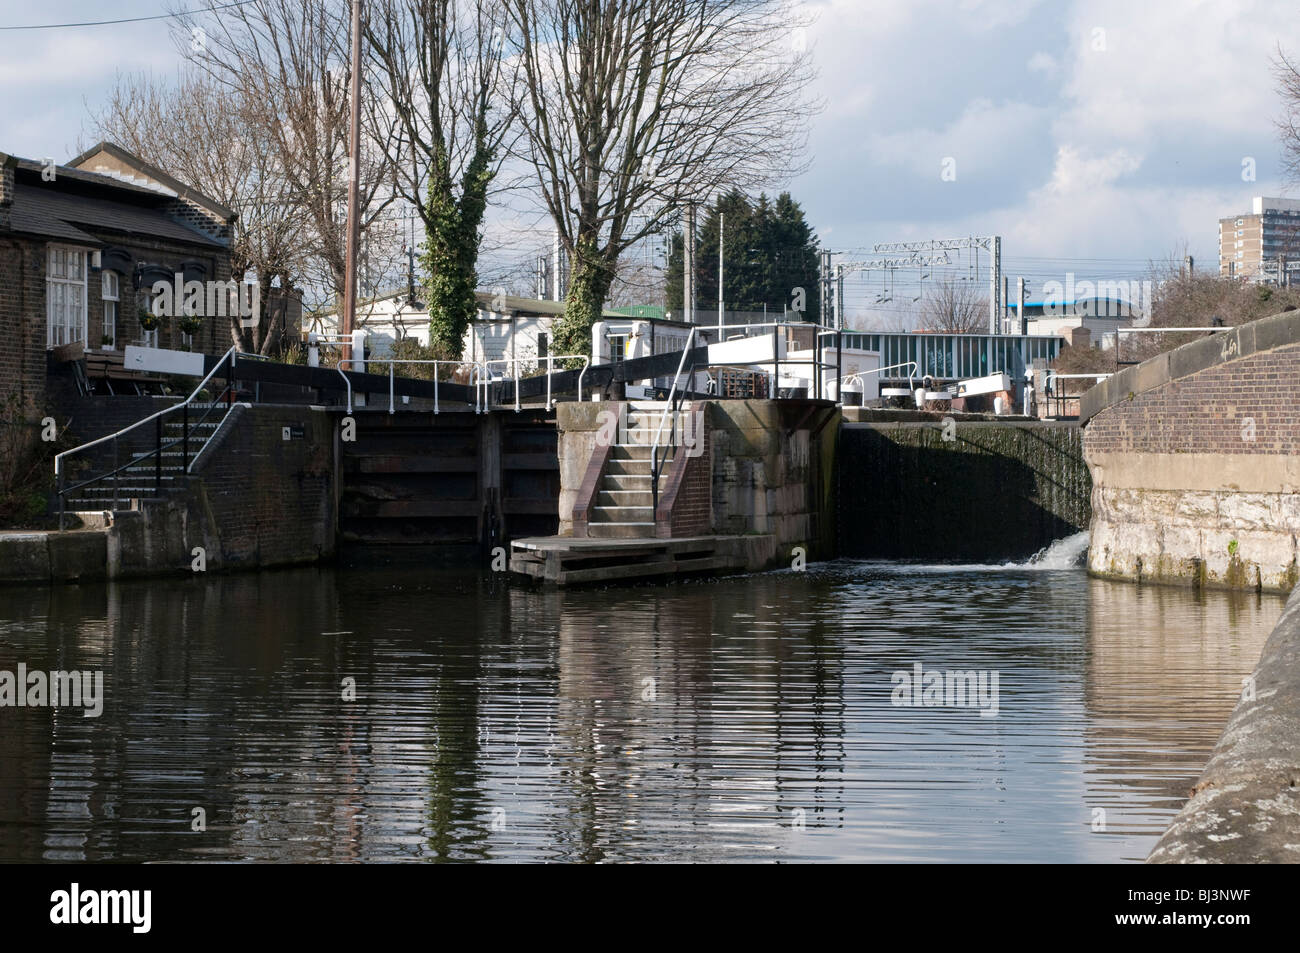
(776, 361)
(390, 385)
(62, 501)
(435, 387)
(116, 484)
(230, 381)
(185, 436)
(157, 459)
(839, 367)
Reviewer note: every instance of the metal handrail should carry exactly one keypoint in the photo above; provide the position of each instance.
(480, 378)
(668, 409)
(391, 362)
(550, 359)
(230, 356)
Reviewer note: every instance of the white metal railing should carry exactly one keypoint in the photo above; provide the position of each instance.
(229, 356)
(880, 370)
(480, 378)
(483, 378)
(668, 409)
(392, 362)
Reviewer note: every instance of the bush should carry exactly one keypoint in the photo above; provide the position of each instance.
(26, 465)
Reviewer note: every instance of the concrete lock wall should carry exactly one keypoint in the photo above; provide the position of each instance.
(959, 486)
(1193, 455)
(772, 466)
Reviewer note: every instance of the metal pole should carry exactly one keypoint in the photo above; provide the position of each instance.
(839, 297)
(1020, 305)
(354, 176)
(776, 362)
(722, 240)
(390, 386)
(688, 265)
(157, 459)
(839, 368)
(995, 267)
(185, 436)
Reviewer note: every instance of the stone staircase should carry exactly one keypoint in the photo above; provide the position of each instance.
(140, 480)
(624, 503)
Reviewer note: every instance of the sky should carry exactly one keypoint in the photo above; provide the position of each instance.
(1093, 136)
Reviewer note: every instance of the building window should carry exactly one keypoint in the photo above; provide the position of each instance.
(543, 346)
(1240, 221)
(65, 296)
(111, 298)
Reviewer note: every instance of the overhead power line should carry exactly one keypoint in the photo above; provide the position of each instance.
(159, 16)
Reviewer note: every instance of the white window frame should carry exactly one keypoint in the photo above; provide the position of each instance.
(57, 285)
(112, 297)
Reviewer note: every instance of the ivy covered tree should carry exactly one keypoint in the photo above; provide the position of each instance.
(632, 107)
(448, 85)
(770, 258)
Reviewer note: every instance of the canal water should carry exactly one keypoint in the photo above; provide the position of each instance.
(323, 714)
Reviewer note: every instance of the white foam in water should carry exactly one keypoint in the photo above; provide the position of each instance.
(1061, 555)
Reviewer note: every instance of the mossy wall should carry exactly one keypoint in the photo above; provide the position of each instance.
(973, 490)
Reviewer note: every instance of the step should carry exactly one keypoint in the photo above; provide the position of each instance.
(176, 453)
(88, 492)
(622, 514)
(629, 451)
(630, 481)
(621, 530)
(194, 424)
(616, 497)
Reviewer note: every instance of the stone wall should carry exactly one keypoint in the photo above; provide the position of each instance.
(952, 487)
(774, 471)
(1193, 458)
(771, 471)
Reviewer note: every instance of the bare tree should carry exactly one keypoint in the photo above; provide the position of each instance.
(1286, 73)
(287, 62)
(636, 107)
(955, 307)
(170, 126)
(443, 78)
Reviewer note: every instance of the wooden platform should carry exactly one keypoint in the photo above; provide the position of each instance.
(571, 561)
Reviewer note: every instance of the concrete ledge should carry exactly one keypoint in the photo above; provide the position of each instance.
(78, 556)
(1246, 806)
(1264, 334)
(24, 557)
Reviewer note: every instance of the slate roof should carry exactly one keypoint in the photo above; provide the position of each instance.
(39, 210)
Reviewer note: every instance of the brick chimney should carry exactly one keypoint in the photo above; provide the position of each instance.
(7, 165)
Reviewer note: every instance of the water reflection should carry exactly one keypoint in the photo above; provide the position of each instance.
(740, 719)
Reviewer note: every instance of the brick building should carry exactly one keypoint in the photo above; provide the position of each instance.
(80, 248)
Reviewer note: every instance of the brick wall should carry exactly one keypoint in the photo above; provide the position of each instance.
(1192, 455)
(262, 500)
(22, 298)
(692, 507)
(1246, 406)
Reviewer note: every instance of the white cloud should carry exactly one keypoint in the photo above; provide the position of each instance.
(1042, 63)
